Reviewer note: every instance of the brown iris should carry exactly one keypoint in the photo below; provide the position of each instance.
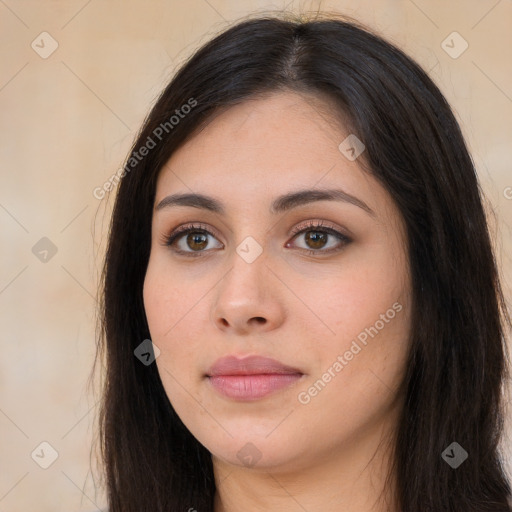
(195, 237)
(318, 237)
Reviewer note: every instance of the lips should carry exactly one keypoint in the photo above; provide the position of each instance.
(251, 378)
(252, 365)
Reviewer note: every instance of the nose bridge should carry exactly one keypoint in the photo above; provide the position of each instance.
(250, 235)
(254, 252)
(249, 264)
(247, 291)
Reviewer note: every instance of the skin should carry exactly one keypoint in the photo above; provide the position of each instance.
(304, 310)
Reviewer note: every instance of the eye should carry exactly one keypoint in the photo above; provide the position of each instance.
(197, 239)
(317, 234)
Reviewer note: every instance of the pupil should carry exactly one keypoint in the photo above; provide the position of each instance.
(195, 238)
(320, 237)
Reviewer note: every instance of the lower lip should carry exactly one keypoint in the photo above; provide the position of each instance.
(252, 387)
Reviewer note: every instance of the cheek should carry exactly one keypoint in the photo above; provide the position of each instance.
(165, 303)
(355, 384)
(344, 300)
(171, 315)
(365, 320)
(166, 316)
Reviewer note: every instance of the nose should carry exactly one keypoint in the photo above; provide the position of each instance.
(249, 298)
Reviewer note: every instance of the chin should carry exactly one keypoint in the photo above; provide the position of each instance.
(253, 451)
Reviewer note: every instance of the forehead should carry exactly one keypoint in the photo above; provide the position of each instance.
(283, 139)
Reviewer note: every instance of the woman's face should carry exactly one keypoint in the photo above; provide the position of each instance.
(271, 280)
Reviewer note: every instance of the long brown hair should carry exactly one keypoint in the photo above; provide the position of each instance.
(414, 147)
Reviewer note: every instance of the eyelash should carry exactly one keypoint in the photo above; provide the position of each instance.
(169, 240)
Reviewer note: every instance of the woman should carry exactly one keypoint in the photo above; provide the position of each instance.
(301, 307)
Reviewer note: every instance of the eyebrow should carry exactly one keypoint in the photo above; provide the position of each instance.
(280, 204)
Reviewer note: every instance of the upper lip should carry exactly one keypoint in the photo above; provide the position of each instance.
(251, 365)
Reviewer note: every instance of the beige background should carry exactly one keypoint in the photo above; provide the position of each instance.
(68, 120)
